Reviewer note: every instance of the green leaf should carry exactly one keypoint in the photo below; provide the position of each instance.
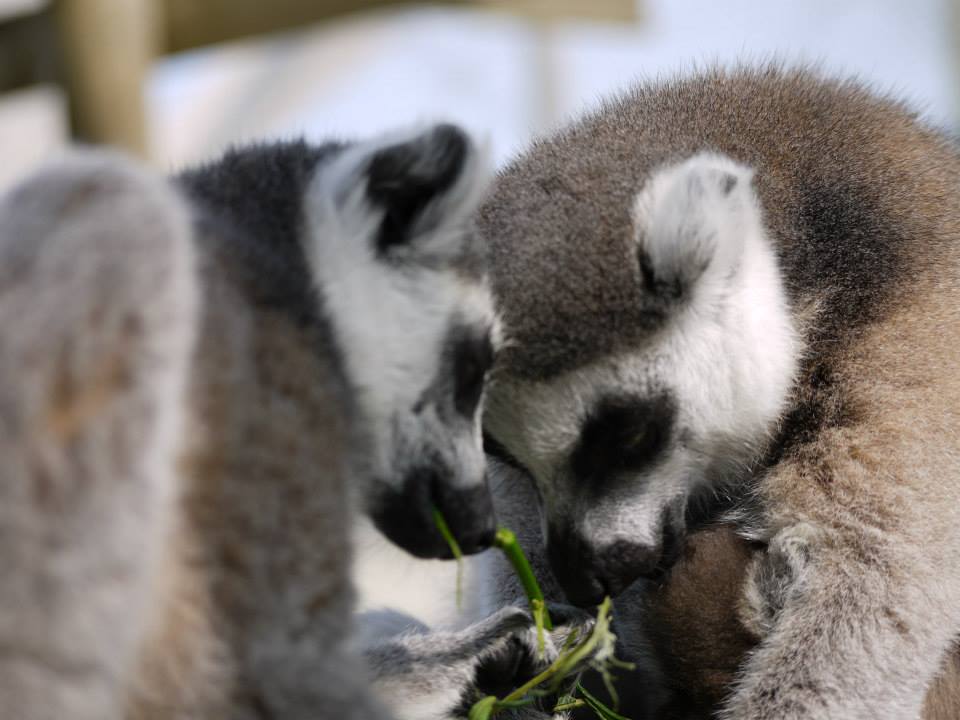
(568, 702)
(603, 712)
(483, 709)
(539, 617)
(580, 651)
(444, 529)
(506, 541)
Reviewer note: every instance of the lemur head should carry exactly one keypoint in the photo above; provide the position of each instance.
(402, 275)
(647, 354)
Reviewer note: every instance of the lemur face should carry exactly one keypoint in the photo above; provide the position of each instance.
(617, 446)
(402, 274)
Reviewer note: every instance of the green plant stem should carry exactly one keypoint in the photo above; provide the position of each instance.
(570, 705)
(567, 662)
(444, 529)
(601, 710)
(506, 541)
(574, 657)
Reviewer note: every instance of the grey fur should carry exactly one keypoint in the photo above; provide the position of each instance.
(856, 478)
(436, 672)
(575, 190)
(97, 306)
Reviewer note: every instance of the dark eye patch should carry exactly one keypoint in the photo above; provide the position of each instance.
(472, 355)
(622, 435)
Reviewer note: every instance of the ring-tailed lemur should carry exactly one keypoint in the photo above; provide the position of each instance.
(196, 375)
(747, 280)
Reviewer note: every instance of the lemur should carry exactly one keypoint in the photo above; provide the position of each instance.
(200, 378)
(696, 623)
(745, 283)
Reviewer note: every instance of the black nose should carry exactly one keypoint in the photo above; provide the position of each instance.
(469, 515)
(407, 516)
(587, 574)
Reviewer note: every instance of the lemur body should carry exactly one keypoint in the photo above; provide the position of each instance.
(201, 380)
(747, 282)
(697, 626)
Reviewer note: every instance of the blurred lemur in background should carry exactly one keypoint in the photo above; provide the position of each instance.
(200, 377)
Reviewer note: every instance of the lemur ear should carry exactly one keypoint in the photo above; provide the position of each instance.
(409, 190)
(428, 181)
(692, 220)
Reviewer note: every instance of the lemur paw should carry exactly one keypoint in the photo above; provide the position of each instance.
(567, 621)
(775, 576)
(420, 668)
(509, 665)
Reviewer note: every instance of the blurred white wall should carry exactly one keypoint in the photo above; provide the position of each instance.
(33, 128)
(507, 78)
(503, 77)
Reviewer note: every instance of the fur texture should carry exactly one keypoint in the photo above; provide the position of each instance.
(642, 693)
(818, 375)
(98, 326)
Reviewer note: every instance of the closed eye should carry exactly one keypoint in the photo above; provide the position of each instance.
(472, 357)
(639, 439)
(642, 445)
(622, 435)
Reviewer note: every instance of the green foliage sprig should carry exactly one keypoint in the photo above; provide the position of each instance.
(594, 651)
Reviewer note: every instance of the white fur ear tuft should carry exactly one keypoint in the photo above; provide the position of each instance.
(404, 190)
(692, 220)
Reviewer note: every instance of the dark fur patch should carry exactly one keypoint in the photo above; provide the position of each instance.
(849, 250)
(405, 516)
(819, 403)
(501, 673)
(403, 179)
(587, 576)
(622, 435)
(662, 293)
(456, 389)
(248, 216)
(254, 197)
(471, 355)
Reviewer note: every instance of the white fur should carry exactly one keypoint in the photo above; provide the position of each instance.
(728, 354)
(739, 300)
(693, 220)
(432, 703)
(398, 316)
(387, 577)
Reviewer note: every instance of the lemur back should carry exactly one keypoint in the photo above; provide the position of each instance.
(261, 540)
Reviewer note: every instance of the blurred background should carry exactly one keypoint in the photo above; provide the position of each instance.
(174, 81)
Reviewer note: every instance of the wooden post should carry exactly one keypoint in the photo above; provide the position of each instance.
(107, 47)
